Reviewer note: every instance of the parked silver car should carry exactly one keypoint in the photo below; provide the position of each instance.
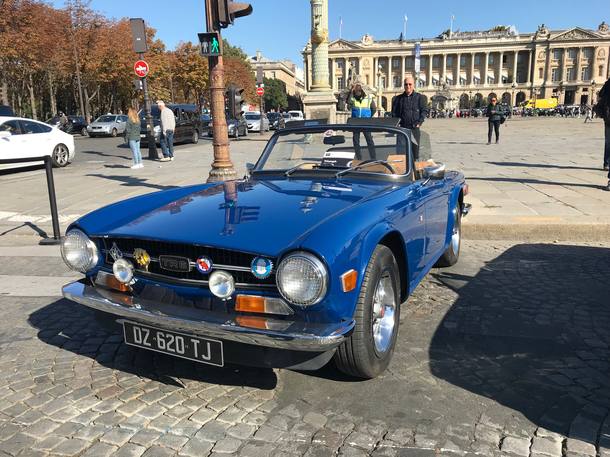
(254, 122)
(108, 124)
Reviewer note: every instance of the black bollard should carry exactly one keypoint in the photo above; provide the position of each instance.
(48, 165)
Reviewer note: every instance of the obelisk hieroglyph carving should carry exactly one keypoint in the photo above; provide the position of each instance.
(319, 45)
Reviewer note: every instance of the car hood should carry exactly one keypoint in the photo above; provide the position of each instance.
(266, 216)
(101, 124)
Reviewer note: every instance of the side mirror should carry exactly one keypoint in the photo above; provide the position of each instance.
(249, 167)
(436, 172)
(5, 134)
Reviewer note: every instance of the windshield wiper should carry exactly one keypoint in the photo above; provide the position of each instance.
(295, 168)
(366, 164)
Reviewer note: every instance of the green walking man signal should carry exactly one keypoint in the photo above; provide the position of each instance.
(210, 44)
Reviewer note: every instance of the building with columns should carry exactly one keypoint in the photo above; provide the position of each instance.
(465, 68)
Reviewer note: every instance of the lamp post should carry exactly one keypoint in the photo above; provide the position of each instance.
(379, 87)
(469, 101)
(512, 98)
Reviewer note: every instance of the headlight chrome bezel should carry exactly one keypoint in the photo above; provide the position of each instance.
(92, 251)
(317, 265)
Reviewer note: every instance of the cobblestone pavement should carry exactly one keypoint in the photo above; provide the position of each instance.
(504, 354)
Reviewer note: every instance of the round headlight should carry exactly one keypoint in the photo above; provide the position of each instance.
(78, 251)
(302, 279)
(123, 270)
(222, 284)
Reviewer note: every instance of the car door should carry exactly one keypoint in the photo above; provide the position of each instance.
(435, 194)
(11, 146)
(122, 123)
(37, 141)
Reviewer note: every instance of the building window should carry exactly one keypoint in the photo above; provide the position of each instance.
(436, 61)
(449, 61)
(340, 82)
(540, 73)
(396, 80)
(571, 73)
(587, 53)
(477, 59)
(491, 59)
(273, 75)
(476, 80)
(556, 54)
(572, 53)
(410, 62)
(395, 63)
(555, 74)
(491, 80)
(504, 59)
(585, 74)
(601, 71)
(462, 61)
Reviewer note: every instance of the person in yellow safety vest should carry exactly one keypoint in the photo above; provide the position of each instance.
(362, 105)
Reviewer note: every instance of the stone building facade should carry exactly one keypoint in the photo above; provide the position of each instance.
(284, 70)
(466, 68)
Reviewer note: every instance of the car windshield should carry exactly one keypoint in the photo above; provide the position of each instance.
(253, 117)
(273, 116)
(105, 119)
(336, 150)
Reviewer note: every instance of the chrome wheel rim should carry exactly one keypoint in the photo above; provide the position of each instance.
(61, 155)
(384, 313)
(456, 235)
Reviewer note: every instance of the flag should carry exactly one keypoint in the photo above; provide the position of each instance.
(406, 18)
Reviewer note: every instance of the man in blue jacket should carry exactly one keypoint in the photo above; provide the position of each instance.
(411, 108)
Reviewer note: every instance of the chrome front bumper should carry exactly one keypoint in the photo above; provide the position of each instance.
(297, 336)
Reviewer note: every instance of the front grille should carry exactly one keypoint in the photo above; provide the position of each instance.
(192, 252)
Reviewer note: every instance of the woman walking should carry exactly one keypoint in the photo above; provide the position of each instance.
(495, 119)
(132, 133)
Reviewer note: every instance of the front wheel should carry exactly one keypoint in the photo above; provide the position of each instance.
(83, 131)
(367, 352)
(114, 132)
(452, 254)
(60, 156)
(195, 137)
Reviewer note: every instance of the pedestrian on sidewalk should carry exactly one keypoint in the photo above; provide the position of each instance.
(603, 111)
(495, 119)
(362, 105)
(412, 109)
(168, 125)
(589, 116)
(132, 133)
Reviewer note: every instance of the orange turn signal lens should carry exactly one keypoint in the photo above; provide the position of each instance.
(109, 281)
(349, 280)
(252, 322)
(250, 304)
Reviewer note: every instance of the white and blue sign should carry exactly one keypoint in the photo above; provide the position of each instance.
(204, 265)
(261, 267)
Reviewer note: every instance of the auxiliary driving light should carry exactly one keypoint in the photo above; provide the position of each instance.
(123, 270)
(222, 284)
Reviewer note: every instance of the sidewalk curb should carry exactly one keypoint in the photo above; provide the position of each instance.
(537, 232)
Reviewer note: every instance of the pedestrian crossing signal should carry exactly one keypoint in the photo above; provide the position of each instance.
(210, 44)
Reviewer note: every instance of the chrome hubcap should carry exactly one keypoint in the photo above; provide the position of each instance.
(455, 237)
(384, 312)
(61, 155)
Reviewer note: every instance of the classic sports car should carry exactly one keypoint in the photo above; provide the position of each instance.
(306, 259)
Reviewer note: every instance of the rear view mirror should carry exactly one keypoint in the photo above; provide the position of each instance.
(334, 140)
(435, 172)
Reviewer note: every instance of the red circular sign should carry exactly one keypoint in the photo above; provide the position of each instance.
(141, 68)
(260, 91)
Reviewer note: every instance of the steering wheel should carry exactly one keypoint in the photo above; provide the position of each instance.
(385, 164)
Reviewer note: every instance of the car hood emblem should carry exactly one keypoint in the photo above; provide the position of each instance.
(115, 252)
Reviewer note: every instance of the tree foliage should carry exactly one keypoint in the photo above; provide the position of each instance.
(275, 94)
(61, 59)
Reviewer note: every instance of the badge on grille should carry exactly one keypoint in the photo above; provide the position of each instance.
(142, 258)
(261, 267)
(115, 252)
(174, 263)
(204, 264)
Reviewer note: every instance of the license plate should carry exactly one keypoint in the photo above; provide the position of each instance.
(188, 347)
(142, 135)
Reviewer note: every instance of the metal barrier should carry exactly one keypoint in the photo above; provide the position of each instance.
(48, 164)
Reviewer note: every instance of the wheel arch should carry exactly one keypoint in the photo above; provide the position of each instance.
(456, 197)
(394, 241)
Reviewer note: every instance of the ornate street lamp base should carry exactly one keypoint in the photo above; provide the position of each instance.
(222, 174)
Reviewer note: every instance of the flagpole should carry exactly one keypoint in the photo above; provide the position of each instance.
(340, 27)
(451, 26)
(405, 27)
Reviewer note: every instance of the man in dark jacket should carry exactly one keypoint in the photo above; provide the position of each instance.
(602, 109)
(411, 108)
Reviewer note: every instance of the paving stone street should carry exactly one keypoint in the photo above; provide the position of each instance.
(504, 354)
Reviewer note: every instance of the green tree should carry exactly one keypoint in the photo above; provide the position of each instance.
(233, 51)
(275, 94)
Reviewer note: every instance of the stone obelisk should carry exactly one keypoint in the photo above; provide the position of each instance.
(320, 102)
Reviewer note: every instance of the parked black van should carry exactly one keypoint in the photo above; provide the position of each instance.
(189, 126)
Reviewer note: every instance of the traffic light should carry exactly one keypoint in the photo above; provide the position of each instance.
(234, 100)
(226, 11)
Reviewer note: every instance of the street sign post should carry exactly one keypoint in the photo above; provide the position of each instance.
(210, 44)
(260, 91)
(141, 68)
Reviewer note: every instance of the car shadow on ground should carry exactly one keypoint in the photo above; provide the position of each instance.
(541, 165)
(531, 331)
(75, 328)
(131, 181)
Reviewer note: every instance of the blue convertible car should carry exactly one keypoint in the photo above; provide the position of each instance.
(305, 260)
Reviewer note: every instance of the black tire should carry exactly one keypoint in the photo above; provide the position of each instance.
(83, 131)
(195, 137)
(60, 156)
(452, 254)
(359, 355)
(114, 132)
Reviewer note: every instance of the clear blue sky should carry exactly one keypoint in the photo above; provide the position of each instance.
(280, 28)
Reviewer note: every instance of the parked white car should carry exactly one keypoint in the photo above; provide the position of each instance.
(108, 124)
(254, 122)
(23, 138)
(295, 116)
